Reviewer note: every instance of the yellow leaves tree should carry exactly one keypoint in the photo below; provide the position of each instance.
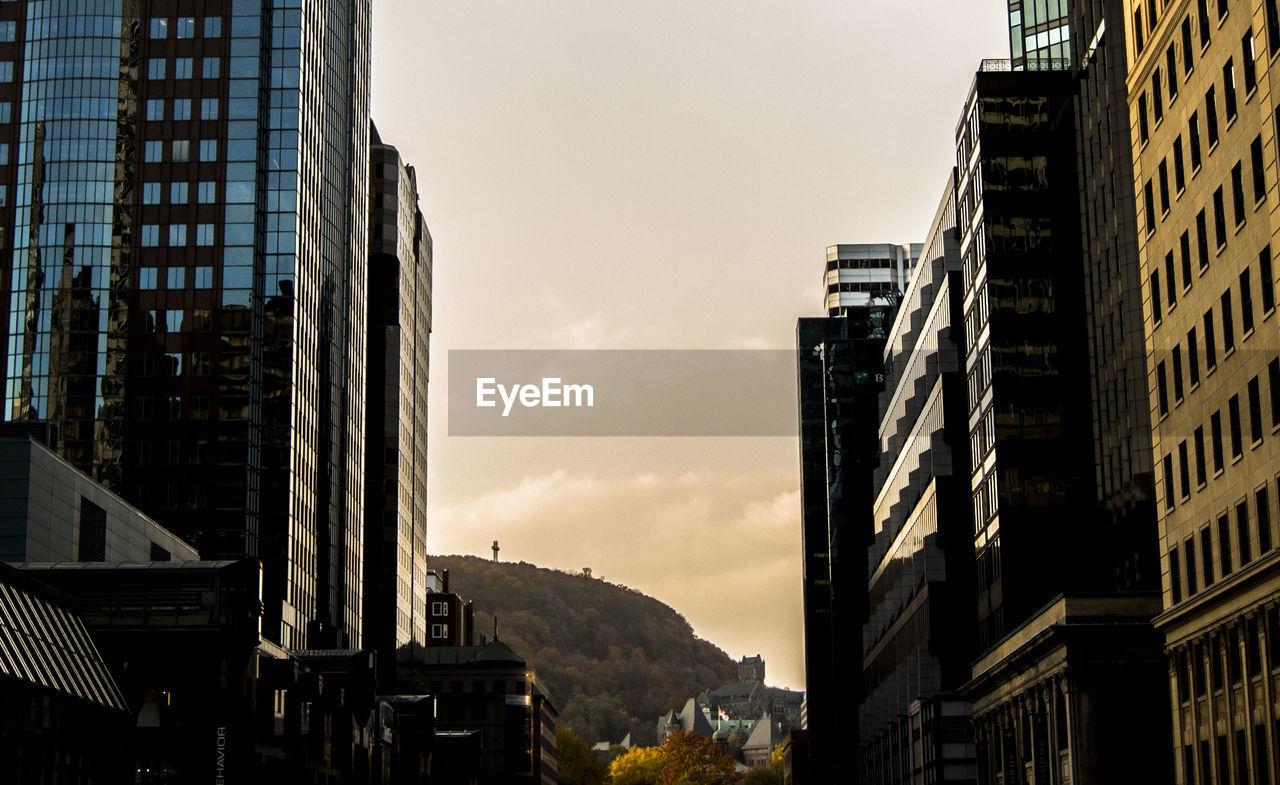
(683, 759)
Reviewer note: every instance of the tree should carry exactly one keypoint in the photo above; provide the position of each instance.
(578, 764)
(683, 759)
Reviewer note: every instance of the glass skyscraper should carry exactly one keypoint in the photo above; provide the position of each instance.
(182, 199)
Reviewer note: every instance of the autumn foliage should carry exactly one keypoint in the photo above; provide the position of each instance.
(685, 758)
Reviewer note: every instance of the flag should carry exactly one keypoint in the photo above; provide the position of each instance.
(724, 715)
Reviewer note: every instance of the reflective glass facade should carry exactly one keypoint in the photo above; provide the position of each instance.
(1040, 34)
(188, 252)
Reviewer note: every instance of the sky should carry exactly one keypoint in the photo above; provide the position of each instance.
(658, 174)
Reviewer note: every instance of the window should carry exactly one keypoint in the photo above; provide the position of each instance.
(1246, 302)
(209, 68)
(1164, 186)
(1259, 170)
(1193, 140)
(437, 630)
(1266, 284)
(93, 532)
(1255, 410)
(1184, 471)
(1177, 373)
(1157, 100)
(1138, 40)
(1263, 506)
(159, 28)
(178, 193)
(155, 110)
(1229, 90)
(208, 149)
(1185, 247)
(151, 193)
(1179, 179)
(1242, 532)
(207, 192)
(150, 235)
(1273, 380)
(186, 27)
(153, 151)
(204, 278)
(181, 150)
(175, 278)
(1170, 282)
(1222, 8)
(1202, 241)
(1144, 130)
(1215, 435)
(1189, 555)
(1273, 27)
(1203, 20)
(1211, 115)
(177, 235)
(1162, 389)
(1219, 219)
(1187, 52)
(1206, 555)
(1149, 203)
(1237, 435)
(1237, 193)
(182, 109)
(1193, 358)
(438, 609)
(155, 68)
(1228, 324)
(1175, 574)
(1202, 476)
(173, 320)
(1171, 71)
(204, 234)
(1210, 350)
(1246, 62)
(182, 68)
(147, 279)
(209, 109)
(1224, 545)
(212, 26)
(1168, 482)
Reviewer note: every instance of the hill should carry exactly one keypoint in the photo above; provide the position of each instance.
(612, 658)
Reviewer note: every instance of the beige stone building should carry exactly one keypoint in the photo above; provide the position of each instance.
(1203, 84)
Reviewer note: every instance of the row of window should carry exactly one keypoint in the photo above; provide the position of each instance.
(1200, 665)
(185, 27)
(183, 68)
(1141, 30)
(1193, 456)
(179, 150)
(1235, 550)
(180, 192)
(175, 277)
(150, 235)
(181, 109)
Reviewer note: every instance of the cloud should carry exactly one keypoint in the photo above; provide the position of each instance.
(723, 549)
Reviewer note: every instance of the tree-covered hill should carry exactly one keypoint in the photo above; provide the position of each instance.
(612, 658)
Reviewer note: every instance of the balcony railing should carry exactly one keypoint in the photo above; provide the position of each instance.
(1051, 64)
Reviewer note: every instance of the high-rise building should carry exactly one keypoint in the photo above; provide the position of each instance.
(1200, 95)
(399, 334)
(919, 637)
(1069, 675)
(184, 247)
(841, 371)
(1040, 34)
(858, 274)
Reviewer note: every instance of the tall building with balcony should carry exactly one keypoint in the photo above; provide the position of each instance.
(1203, 128)
(184, 193)
(919, 637)
(857, 275)
(399, 334)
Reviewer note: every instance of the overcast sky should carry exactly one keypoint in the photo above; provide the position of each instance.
(659, 174)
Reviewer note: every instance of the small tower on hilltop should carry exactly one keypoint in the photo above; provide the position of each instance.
(495, 550)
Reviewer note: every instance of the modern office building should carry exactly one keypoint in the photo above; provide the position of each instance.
(1200, 78)
(1040, 34)
(857, 275)
(399, 333)
(51, 511)
(184, 251)
(841, 371)
(1067, 684)
(919, 637)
